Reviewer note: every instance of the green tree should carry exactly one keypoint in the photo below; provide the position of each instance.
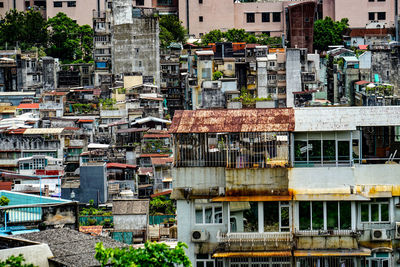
(13, 261)
(213, 36)
(153, 254)
(217, 75)
(18, 27)
(162, 205)
(328, 32)
(265, 39)
(69, 41)
(236, 35)
(4, 201)
(171, 30)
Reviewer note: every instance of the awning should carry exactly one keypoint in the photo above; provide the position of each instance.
(252, 254)
(330, 197)
(252, 198)
(332, 253)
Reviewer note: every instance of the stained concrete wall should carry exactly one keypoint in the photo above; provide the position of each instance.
(262, 78)
(49, 74)
(37, 255)
(293, 75)
(135, 41)
(344, 118)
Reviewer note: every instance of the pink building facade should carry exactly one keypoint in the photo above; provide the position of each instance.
(361, 13)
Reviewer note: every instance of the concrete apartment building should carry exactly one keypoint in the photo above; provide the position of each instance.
(287, 187)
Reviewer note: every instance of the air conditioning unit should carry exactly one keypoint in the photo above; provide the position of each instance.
(379, 235)
(397, 231)
(200, 235)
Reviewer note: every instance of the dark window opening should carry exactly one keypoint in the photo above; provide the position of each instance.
(140, 2)
(381, 15)
(265, 17)
(371, 16)
(250, 18)
(200, 18)
(1, 4)
(71, 4)
(276, 17)
(57, 4)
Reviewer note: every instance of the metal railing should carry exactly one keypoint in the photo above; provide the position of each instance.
(254, 237)
(325, 233)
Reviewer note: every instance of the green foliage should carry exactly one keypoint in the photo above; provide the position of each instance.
(69, 41)
(93, 211)
(240, 35)
(249, 100)
(108, 103)
(153, 254)
(23, 29)
(162, 206)
(213, 36)
(82, 108)
(328, 32)
(171, 30)
(4, 201)
(13, 261)
(381, 90)
(217, 75)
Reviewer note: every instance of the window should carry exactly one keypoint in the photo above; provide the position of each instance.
(371, 0)
(57, 4)
(164, 2)
(200, 18)
(205, 260)
(272, 63)
(200, 1)
(265, 17)
(71, 3)
(375, 211)
(381, 15)
(208, 213)
(140, 2)
(276, 17)
(312, 214)
(377, 259)
(85, 70)
(206, 73)
(371, 15)
(271, 77)
(250, 17)
(1, 4)
(381, 0)
(274, 215)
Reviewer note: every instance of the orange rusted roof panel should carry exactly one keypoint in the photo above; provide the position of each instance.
(332, 253)
(251, 198)
(241, 120)
(252, 254)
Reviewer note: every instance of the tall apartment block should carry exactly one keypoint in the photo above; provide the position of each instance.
(288, 186)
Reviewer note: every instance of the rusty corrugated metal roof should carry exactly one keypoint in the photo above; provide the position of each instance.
(233, 120)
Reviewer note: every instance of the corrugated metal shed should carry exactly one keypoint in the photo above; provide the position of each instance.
(244, 120)
(44, 131)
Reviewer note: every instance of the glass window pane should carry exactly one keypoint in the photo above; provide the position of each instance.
(314, 152)
(374, 212)
(246, 216)
(199, 214)
(199, 264)
(332, 215)
(384, 212)
(210, 264)
(344, 150)
(208, 214)
(285, 216)
(317, 215)
(202, 256)
(329, 151)
(218, 215)
(345, 215)
(271, 216)
(364, 212)
(304, 215)
(300, 150)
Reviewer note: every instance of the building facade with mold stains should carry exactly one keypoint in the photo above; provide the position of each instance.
(288, 187)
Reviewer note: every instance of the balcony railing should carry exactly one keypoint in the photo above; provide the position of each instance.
(307, 233)
(253, 237)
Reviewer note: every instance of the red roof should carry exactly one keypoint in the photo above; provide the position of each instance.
(156, 136)
(83, 120)
(167, 192)
(375, 32)
(92, 230)
(17, 131)
(363, 47)
(145, 170)
(362, 82)
(28, 106)
(120, 166)
(153, 155)
(6, 186)
(71, 128)
(161, 161)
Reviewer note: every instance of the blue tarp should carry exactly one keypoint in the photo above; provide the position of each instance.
(376, 78)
